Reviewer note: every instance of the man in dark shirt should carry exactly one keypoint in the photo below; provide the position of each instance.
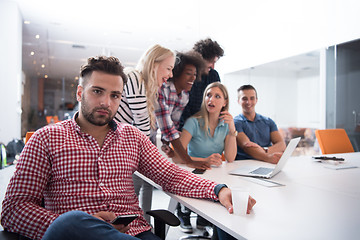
(211, 52)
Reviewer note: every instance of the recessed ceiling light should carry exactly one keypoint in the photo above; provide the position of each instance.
(46, 76)
(43, 65)
(76, 78)
(37, 36)
(32, 53)
(26, 22)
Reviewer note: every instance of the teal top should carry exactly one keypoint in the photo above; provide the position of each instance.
(203, 145)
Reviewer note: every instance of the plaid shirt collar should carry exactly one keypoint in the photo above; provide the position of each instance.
(112, 124)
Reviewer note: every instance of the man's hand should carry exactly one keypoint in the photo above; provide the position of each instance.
(108, 217)
(226, 201)
(274, 157)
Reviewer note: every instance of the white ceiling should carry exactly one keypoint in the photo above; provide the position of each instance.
(71, 31)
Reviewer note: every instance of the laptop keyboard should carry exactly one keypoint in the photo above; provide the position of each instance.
(262, 171)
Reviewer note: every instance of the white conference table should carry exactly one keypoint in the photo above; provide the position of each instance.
(315, 203)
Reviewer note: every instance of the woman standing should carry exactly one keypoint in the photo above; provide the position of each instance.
(172, 99)
(137, 103)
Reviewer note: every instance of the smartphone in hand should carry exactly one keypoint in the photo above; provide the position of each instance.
(124, 219)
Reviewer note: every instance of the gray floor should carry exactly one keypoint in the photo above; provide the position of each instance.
(160, 201)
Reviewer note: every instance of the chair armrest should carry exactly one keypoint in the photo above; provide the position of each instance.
(165, 216)
(5, 235)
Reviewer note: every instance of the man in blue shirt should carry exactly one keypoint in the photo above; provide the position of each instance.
(258, 136)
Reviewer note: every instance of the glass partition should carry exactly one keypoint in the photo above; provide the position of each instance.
(315, 90)
(347, 90)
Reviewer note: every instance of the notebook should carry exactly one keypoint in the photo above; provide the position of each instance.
(264, 172)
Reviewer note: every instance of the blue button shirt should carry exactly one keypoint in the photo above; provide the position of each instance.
(258, 131)
(202, 145)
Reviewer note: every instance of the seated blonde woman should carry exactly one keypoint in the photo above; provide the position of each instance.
(211, 131)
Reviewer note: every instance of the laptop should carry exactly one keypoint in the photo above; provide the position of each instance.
(264, 172)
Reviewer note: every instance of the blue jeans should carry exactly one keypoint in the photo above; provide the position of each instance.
(76, 225)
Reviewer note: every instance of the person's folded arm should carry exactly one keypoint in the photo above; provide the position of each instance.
(255, 151)
(277, 141)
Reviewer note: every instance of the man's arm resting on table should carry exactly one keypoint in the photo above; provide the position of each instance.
(255, 150)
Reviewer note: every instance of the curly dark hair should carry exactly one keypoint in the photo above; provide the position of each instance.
(208, 49)
(188, 58)
(110, 65)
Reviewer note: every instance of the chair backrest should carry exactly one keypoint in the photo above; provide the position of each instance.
(333, 141)
(28, 135)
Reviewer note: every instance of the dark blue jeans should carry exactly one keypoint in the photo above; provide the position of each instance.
(76, 225)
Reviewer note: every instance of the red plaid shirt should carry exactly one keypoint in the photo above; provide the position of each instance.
(168, 110)
(67, 168)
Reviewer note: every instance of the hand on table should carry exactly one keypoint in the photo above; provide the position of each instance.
(225, 200)
(214, 159)
(199, 164)
(274, 157)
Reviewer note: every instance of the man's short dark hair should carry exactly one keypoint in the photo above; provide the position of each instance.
(188, 58)
(247, 87)
(109, 65)
(208, 49)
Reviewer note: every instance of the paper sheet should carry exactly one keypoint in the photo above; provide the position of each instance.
(264, 182)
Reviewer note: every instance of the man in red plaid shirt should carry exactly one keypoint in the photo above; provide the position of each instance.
(82, 168)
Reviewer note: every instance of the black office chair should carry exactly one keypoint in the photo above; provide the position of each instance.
(161, 218)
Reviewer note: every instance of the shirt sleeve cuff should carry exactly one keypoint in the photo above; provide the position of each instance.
(218, 188)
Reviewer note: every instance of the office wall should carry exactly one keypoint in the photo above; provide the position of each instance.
(10, 71)
(291, 99)
(260, 32)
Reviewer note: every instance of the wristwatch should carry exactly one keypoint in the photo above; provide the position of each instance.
(235, 133)
(266, 149)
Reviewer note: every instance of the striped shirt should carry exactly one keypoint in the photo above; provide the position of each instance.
(168, 110)
(67, 168)
(133, 107)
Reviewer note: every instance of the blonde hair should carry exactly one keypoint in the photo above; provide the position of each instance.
(203, 113)
(146, 66)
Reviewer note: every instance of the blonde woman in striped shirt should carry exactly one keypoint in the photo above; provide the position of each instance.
(137, 103)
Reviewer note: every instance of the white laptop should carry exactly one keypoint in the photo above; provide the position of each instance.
(264, 172)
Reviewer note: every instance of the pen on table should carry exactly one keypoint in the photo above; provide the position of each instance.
(329, 158)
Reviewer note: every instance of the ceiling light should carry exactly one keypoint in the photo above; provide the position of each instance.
(43, 65)
(76, 78)
(32, 53)
(26, 22)
(46, 76)
(37, 36)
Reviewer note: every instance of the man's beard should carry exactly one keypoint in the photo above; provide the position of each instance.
(89, 115)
